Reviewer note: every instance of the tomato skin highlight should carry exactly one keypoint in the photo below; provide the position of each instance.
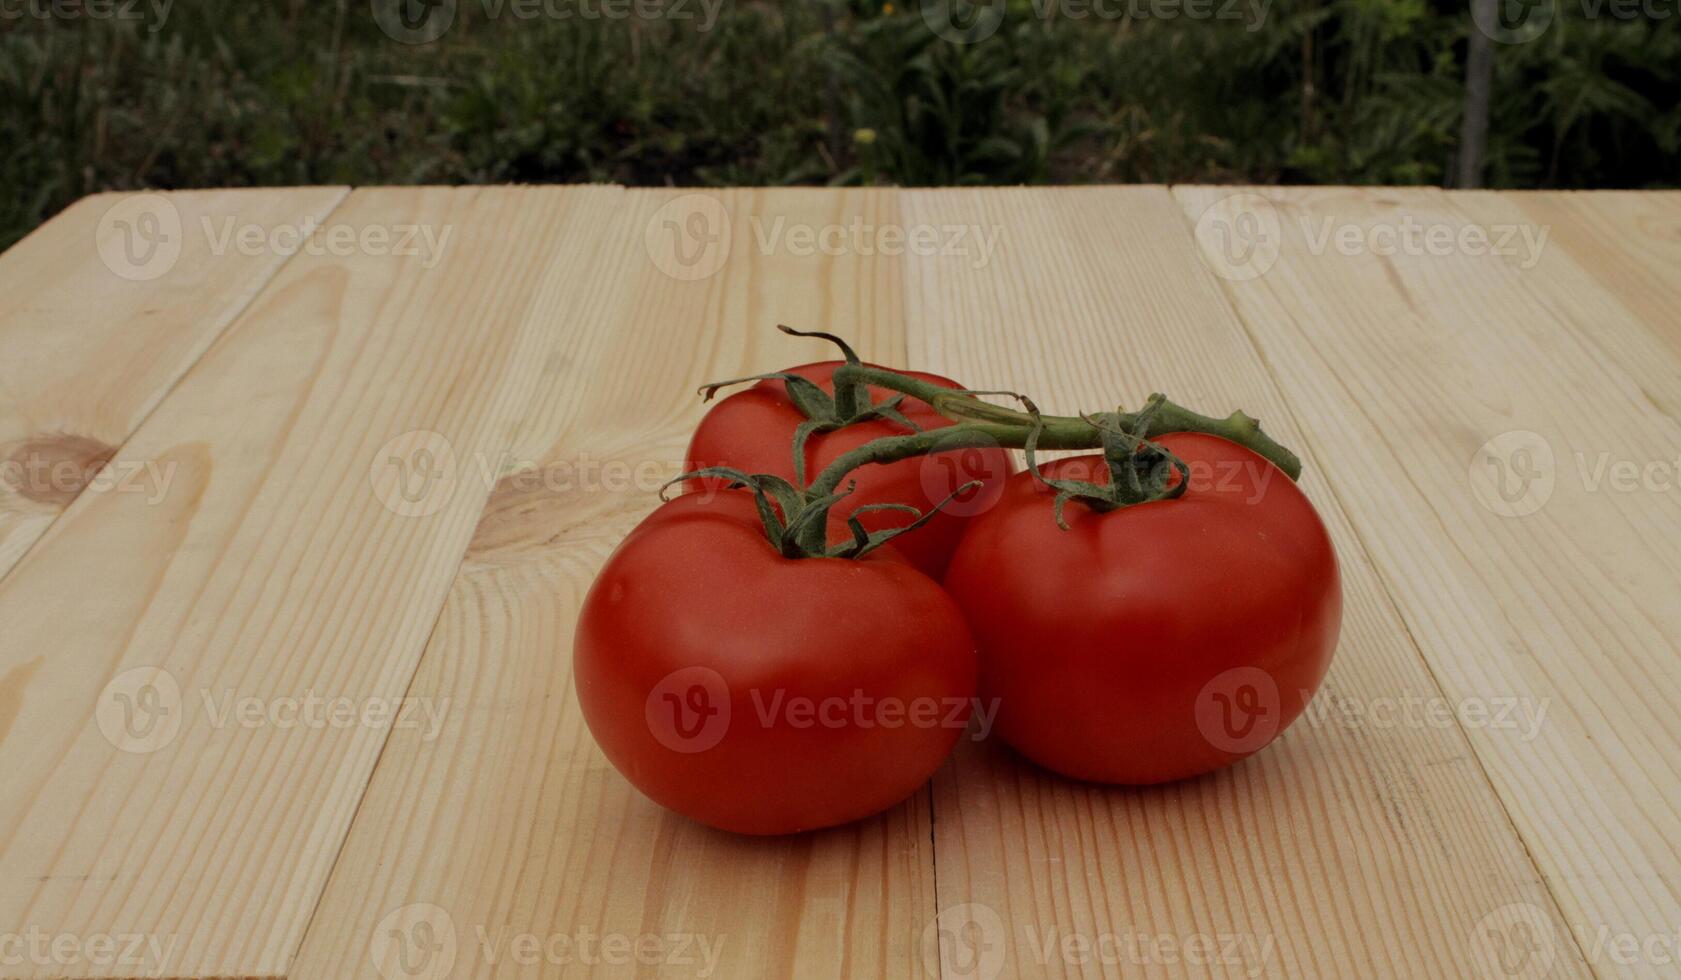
(698, 646)
(753, 430)
(1154, 642)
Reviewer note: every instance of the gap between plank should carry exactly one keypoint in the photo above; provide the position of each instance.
(362, 797)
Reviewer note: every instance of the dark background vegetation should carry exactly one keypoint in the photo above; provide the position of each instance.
(253, 92)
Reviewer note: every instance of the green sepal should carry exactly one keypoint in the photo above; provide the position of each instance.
(879, 538)
(850, 399)
(812, 401)
(801, 527)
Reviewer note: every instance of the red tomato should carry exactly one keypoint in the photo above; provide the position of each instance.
(1157, 641)
(763, 694)
(753, 430)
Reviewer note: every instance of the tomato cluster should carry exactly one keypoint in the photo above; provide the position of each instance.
(769, 655)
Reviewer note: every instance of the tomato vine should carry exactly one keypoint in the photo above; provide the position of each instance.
(795, 513)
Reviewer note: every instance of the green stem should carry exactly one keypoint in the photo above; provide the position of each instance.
(1062, 432)
(964, 435)
(980, 424)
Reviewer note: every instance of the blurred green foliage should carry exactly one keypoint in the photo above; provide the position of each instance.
(268, 92)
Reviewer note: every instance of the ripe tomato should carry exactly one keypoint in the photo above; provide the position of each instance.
(762, 694)
(753, 430)
(1157, 641)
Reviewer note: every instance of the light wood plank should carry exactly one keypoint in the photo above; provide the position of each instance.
(1422, 379)
(1627, 241)
(91, 336)
(274, 560)
(1608, 274)
(512, 823)
(1355, 846)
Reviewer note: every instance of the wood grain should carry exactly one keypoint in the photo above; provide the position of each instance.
(1462, 401)
(364, 481)
(1628, 242)
(279, 560)
(90, 341)
(510, 828)
(1366, 842)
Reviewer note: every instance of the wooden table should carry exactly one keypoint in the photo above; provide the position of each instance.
(285, 686)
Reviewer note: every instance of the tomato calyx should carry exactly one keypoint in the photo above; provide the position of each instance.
(1140, 471)
(796, 521)
(850, 404)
